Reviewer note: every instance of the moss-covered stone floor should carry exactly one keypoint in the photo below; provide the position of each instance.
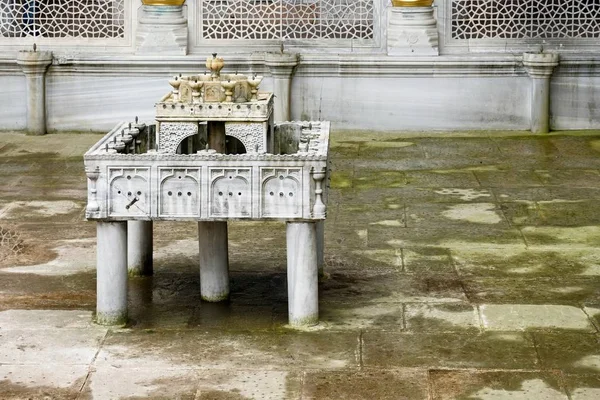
(459, 266)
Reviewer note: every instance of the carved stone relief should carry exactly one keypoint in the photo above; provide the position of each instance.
(172, 133)
(281, 192)
(179, 192)
(252, 135)
(230, 192)
(129, 193)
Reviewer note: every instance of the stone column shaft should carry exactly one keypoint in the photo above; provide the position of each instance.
(540, 67)
(111, 272)
(282, 67)
(214, 261)
(302, 273)
(139, 248)
(34, 65)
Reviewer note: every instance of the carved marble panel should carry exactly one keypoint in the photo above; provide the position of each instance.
(251, 134)
(172, 133)
(230, 192)
(281, 192)
(179, 193)
(129, 191)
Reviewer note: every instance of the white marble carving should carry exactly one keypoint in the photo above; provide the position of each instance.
(230, 192)
(161, 30)
(281, 192)
(412, 31)
(179, 193)
(251, 134)
(129, 192)
(143, 173)
(172, 133)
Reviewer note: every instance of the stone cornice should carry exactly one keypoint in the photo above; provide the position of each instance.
(316, 64)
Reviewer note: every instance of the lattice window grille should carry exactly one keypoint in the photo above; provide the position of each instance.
(287, 19)
(525, 19)
(62, 18)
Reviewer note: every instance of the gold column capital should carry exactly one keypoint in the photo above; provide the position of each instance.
(163, 2)
(412, 3)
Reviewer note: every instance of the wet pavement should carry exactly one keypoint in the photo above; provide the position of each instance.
(459, 266)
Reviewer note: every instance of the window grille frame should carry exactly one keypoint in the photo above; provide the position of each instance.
(376, 44)
(82, 44)
(450, 45)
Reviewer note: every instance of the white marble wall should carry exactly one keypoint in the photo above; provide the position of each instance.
(575, 102)
(13, 102)
(95, 102)
(414, 103)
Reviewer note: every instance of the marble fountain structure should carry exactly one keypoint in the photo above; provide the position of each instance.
(213, 155)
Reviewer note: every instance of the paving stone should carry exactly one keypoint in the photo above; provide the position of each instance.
(583, 387)
(514, 317)
(441, 317)
(569, 291)
(366, 384)
(370, 179)
(515, 261)
(249, 384)
(545, 193)
(443, 235)
(45, 319)
(483, 214)
(355, 315)
(392, 288)
(569, 237)
(41, 381)
(587, 178)
(441, 178)
(449, 350)
(44, 346)
(450, 385)
(274, 350)
(508, 178)
(158, 382)
(428, 260)
(570, 352)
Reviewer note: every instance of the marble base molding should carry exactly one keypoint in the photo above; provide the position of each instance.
(412, 31)
(161, 30)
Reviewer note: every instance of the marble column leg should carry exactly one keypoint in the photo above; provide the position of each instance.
(540, 105)
(111, 272)
(302, 273)
(214, 261)
(321, 246)
(139, 248)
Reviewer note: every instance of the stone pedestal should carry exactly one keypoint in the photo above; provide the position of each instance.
(111, 284)
(282, 67)
(321, 246)
(540, 66)
(139, 248)
(161, 30)
(302, 273)
(412, 31)
(34, 65)
(214, 261)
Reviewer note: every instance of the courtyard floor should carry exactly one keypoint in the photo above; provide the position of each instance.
(459, 266)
